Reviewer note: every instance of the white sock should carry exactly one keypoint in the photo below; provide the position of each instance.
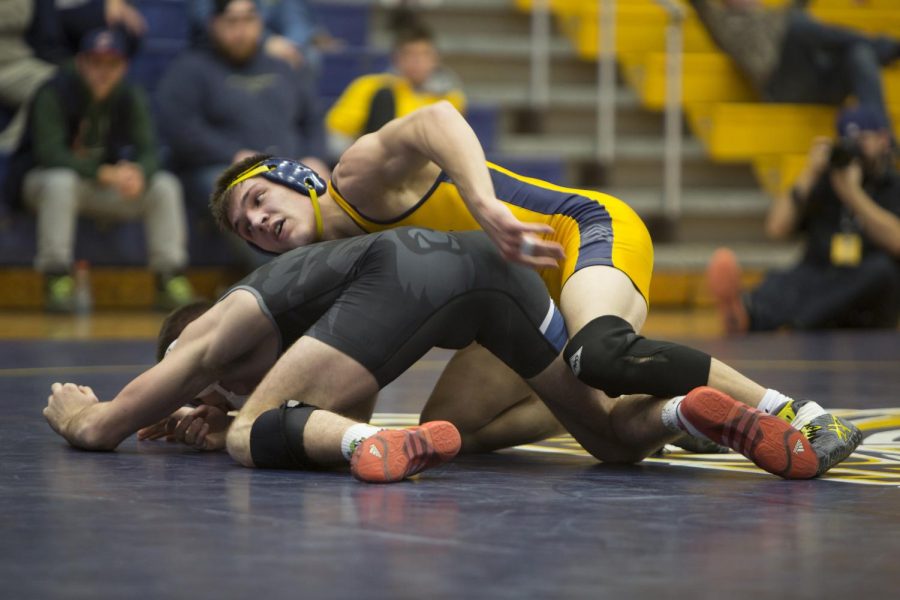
(772, 401)
(354, 436)
(670, 417)
(674, 421)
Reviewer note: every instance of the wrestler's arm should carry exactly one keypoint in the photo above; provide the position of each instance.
(439, 134)
(206, 348)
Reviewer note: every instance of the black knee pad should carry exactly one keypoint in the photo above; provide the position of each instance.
(276, 438)
(608, 355)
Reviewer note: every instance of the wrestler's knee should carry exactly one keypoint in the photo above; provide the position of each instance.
(607, 354)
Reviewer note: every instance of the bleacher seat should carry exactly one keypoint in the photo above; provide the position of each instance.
(547, 169)
(721, 106)
(167, 36)
(340, 68)
(347, 22)
(483, 119)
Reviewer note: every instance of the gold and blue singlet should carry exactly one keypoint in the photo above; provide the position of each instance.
(593, 228)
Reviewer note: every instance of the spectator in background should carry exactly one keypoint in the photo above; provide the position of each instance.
(416, 79)
(91, 140)
(790, 57)
(847, 201)
(21, 72)
(292, 32)
(231, 100)
(59, 25)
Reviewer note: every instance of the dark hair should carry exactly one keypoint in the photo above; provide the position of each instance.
(218, 200)
(175, 323)
(408, 28)
(220, 6)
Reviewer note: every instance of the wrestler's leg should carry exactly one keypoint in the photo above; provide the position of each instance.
(601, 291)
(310, 372)
(489, 403)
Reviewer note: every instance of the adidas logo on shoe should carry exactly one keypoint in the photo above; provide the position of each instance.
(798, 447)
(374, 451)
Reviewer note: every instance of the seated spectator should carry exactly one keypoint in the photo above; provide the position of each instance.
(847, 202)
(21, 72)
(416, 79)
(790, 57)
(220, 104)
(59, 25)
(292, 32)
(91, 142)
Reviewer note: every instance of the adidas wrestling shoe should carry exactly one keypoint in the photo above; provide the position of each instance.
(768, 441)
(395, 454)
(833, 439)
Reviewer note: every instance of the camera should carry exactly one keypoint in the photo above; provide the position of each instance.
(844, 151)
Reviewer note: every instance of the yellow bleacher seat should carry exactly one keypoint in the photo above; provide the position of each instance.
(738, 132)
(735, 132)
(776, 173)
(706, 77)
(719, 103)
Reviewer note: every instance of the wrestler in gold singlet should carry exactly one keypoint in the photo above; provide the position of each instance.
(593, 228)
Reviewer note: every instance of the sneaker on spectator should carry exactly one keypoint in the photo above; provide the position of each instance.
(174, 292)
(59, 296)
(723, 277)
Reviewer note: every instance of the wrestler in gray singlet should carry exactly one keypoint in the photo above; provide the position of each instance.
(387, 298)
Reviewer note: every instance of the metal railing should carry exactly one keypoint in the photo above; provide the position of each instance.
(606, 87)
(606, 82)
(671, 200)
(540, 54)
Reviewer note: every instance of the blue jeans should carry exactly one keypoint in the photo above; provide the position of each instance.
(812, 296)
(823, 64)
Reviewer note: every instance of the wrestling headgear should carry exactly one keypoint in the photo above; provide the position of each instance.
(294, 175)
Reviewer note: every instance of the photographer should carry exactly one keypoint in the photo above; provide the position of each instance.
(847, 203)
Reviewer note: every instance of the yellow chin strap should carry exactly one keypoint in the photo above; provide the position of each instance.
(313, 196)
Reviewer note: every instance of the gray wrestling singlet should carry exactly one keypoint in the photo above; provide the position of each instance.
(387, 298)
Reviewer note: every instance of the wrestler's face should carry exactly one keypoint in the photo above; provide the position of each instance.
(270, 215)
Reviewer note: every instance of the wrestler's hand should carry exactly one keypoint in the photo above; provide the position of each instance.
(204, 428)
(64, 405)
(165, 427)
(519, 242)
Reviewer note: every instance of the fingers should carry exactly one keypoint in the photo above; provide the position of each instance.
(190, 426)
(535, 253)
(200, 443)
(153, 432)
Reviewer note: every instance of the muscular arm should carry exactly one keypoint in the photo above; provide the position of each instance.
(398, 153)
(207, 348)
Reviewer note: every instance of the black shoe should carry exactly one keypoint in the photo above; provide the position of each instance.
(832, 438)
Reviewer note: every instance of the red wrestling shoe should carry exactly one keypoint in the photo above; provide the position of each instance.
(395, 454)
(768, 441)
